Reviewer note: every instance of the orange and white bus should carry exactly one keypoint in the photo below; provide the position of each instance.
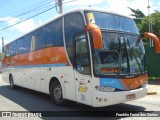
(89, 56)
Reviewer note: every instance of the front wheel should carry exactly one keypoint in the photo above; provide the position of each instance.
(57, 94)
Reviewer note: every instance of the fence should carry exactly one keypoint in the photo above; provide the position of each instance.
(153, 62)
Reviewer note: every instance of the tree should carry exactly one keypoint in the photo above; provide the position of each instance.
(0, 56)
(137, 14)
(155, 19)
(142, 22)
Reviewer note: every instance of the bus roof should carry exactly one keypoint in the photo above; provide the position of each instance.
(70, 11)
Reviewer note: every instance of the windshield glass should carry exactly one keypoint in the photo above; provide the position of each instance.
(112, 22)
(119, 55)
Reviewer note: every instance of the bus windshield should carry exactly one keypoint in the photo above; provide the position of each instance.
(112, 22)
(120, 54)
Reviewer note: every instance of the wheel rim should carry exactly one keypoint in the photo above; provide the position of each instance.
(57, 93)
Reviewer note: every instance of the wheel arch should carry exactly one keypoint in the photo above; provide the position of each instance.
(52, 80)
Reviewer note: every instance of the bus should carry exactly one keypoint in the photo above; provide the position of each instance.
(88, 55)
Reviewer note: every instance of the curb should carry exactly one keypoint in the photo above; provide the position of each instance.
(151, 93)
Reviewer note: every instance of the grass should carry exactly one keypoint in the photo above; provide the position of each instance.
(154, 78)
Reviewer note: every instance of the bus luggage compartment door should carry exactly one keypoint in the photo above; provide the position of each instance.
(83, 88)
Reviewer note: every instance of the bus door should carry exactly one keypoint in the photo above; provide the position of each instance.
(82, 74)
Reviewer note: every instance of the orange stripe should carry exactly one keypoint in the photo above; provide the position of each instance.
(135, 82)
(52, 55)
(97, 35)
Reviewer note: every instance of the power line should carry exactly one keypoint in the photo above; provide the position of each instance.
(26, 19)
(26, 8)
(33, 10)
(27, 12)
(40, 7)
(34, 16)
(4, 2)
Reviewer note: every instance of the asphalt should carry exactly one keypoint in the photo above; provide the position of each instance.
(154, 87)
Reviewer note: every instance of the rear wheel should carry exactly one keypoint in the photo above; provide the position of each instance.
(11, 82)
(57, 94)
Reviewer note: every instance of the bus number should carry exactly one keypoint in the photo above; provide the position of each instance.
(55, 59)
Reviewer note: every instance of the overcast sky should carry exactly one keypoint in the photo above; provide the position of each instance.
(13, 11)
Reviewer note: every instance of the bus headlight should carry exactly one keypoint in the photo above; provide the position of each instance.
(105, 89)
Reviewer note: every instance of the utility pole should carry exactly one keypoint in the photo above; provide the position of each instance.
(150, 24)
(2, 49)
(60, 6)
(2, 45)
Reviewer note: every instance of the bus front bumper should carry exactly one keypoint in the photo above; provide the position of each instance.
(101, 99)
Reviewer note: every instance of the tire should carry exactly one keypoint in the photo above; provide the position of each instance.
(11, 82)
(57, 94)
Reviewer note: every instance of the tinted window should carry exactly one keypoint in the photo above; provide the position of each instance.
(113, 22)
(82, 63)
(20, 46)
(24, 44)
(39, 39)
(27, 42)
(74, 23)
(12, 48)
(54, 36)
(6, 51)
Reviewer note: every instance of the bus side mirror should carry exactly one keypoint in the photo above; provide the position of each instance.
(154, 38)
(97, 35)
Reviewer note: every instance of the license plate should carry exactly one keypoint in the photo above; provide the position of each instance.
(130, 96)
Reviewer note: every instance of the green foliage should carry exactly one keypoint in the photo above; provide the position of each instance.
(0, 55)
(142, 22)
(137, 15)
(155, 18)
(144, 26)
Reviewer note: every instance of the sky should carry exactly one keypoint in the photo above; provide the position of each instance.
(14, 11)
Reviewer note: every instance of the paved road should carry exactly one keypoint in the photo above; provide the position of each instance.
(22, 99)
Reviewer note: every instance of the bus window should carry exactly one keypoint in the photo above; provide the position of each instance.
(73, 24)
(12, 48)
(6, 51)
(109, 56)
(82, 63)
(113, 22)
(24, 44)
(107, 60)
(54, 35)
(20, 46)
(28, 42)
(39, 39)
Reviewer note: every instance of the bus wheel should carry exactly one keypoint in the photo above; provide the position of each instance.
(11, 82)
(57, 94)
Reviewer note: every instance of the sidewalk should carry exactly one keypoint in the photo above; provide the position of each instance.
(154, 87)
